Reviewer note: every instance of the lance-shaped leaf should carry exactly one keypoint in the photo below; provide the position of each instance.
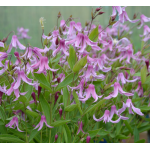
(71, 107)
(72, 57)
(143, 74)
(67, 133)
(43, 81)
(80, 64)
(59, 123)
(66, 98)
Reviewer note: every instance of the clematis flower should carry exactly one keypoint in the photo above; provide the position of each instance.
(123, 79)
(129, 104)
(81, 41)
(91, 73)
(22, 75)
(14, 43)
(139, 89)
(62, 47)
(107, 117)
(118, 8)
(1, 44)
(143, 19)
(40, 125)
(90, 91)
(18, 61)
(124, 17)
(14, 122)
(80, 127)
(117, 88)
(5, 67)
(146, 33)
(16, 91)
(3, 55)
(23, 33)
(43, 65)
(81, 86)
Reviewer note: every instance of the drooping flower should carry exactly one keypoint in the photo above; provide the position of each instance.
(14, 122)
(80, 124)
(18, 61)
(118, 8)
(1, 44)
(60, 112)
(139, 89)
(117, 88)
(143, 19)
(23, 33)
(90, 91)
(43, 65)
(15, 43)
(5, 67)
(3, 55)
(129, 104)
(40, 124)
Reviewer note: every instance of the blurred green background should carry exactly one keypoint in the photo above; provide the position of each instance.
(28, 17)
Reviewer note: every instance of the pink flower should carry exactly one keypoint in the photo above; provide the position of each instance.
(3, 55)
(118, 8)
(90, 91)
(5, 67)
(14, 122)
(143, 19)
(1, 44)
(129, 104)
(107, 117)
(23, 33)
(139, 89)
(80, 127)
(117, 88)
(14, 43)
(40, 125)
(43, 65)
(18, 61)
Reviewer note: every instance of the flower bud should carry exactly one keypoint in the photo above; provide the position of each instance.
(97, 9)
(39, 90)
(56, 137)
(88, 139)
(59, 15)
(1, 94)
(101, 12)
(16, 54)
(41, 20)
(58, 80)
(60, 112)
(4, 40)
(57, 42)
(147, 63)
(34, 97)
(135, 16)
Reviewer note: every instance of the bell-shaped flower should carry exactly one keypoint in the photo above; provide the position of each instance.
(123, 17)
(81, 86)
(40, 124)
(14, 122)
(123, 79)
(90, 91)
(22, 76)
(146, 33)
(23, 33)
(43, 65)
(62, 47)
(129, 104)
(139, 89)
(81, 41)
(143, 19)
(18, 61)
(117, 88)
(118, 8)
(15, 43)
(3, 55)
(59, 79)
(5, 67)
(90, 73)
(80, 124)
(1, 44)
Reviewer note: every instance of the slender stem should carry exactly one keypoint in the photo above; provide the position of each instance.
(25, 123)
(41, 136)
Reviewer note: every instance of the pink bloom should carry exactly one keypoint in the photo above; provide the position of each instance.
(123, 79)
(80, 127)
(88, 138)
(118, 8)
(43, 65)
(18, 61)
(40, 125)
(62, 47)
(14, 43)
(90, 91)
(143, 19)
(117, 88)
(129, 104)
(23, 33)
(14, 122)
(139, 89)
(22, 75)
(3, 55)
(5, 67)
(1, 44)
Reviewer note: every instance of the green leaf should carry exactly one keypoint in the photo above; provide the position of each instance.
(71, 107)
(2, 114)
(45, 107)
(65, 96)
(121, 136)
(137, 74)
(128, 126)
(67, 133)
(140, 141)
(145, 128)
(23, 99)
(10, 138)
(32, 113)
(136, 134)
(144, 108)
(93, 133)
(43, 81)
(103, 132)
(95, 106)
(143, 74)
(66, 81)
(80, 64)
(33, 133)
(59, 123)
(72, 57)
(93, 34)
(77, 101)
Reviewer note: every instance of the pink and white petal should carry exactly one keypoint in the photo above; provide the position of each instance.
(17, 84)
(137, 110)
(22, 47)
(100, 119)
